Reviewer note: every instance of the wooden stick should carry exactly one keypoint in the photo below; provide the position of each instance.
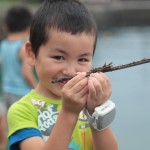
(106, 68)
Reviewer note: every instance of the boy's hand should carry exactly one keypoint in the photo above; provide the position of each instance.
(99, 90)
(75, 93)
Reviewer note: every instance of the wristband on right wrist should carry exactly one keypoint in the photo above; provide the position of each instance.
(103, 115)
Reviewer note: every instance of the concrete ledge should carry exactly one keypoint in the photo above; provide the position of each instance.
(108, 13)
(120, 13)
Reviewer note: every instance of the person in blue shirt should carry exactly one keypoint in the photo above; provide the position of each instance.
(17, 75)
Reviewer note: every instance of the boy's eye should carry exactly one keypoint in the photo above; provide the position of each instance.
(83, 60)
(59, 57)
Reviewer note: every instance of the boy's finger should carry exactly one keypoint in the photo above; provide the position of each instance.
(92, 91)
(77, 88)
(76, 79)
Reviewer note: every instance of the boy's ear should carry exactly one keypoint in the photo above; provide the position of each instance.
(29, 54)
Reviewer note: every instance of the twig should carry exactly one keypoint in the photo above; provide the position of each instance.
(106, 68)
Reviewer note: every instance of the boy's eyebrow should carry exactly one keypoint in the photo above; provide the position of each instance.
(86, 54)
(64, 52)
(58, 50)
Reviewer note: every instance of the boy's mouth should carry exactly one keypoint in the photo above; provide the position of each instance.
(61, 79)
(63, 82)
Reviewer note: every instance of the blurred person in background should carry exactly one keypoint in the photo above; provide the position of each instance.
(3, 126)
(17, 75)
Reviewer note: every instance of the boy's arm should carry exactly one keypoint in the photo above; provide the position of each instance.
(104, 140)
(59, 138)
(74, 100)
(27, 70)
(99, 92)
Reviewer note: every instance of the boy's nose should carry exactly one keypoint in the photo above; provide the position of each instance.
(70, 70)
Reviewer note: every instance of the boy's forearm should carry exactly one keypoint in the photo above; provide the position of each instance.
(104, 140)
(62, 131)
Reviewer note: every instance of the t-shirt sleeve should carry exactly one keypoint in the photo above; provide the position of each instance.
(21, 135)
(20, 116)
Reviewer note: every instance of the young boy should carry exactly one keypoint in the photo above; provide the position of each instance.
(62, 43)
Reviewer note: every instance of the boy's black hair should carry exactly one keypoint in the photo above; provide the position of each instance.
(17, 19)
(63, 15)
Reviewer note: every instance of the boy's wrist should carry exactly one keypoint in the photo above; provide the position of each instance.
(69, 115)
(90, 112)
(103, 115)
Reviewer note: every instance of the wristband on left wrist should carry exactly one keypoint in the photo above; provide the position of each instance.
(103, 115)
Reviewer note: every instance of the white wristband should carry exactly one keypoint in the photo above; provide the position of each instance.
(103, 115)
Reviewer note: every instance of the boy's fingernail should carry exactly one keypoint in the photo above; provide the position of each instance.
(77, 73)
(83, 73)
(92, 74)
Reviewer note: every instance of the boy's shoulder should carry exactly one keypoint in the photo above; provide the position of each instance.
(21, 105)
(23, 99)
(33, 101)
(21, 114)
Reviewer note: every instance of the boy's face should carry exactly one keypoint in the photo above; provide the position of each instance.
(63, 55)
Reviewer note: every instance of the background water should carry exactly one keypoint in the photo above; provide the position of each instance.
(131, 86)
